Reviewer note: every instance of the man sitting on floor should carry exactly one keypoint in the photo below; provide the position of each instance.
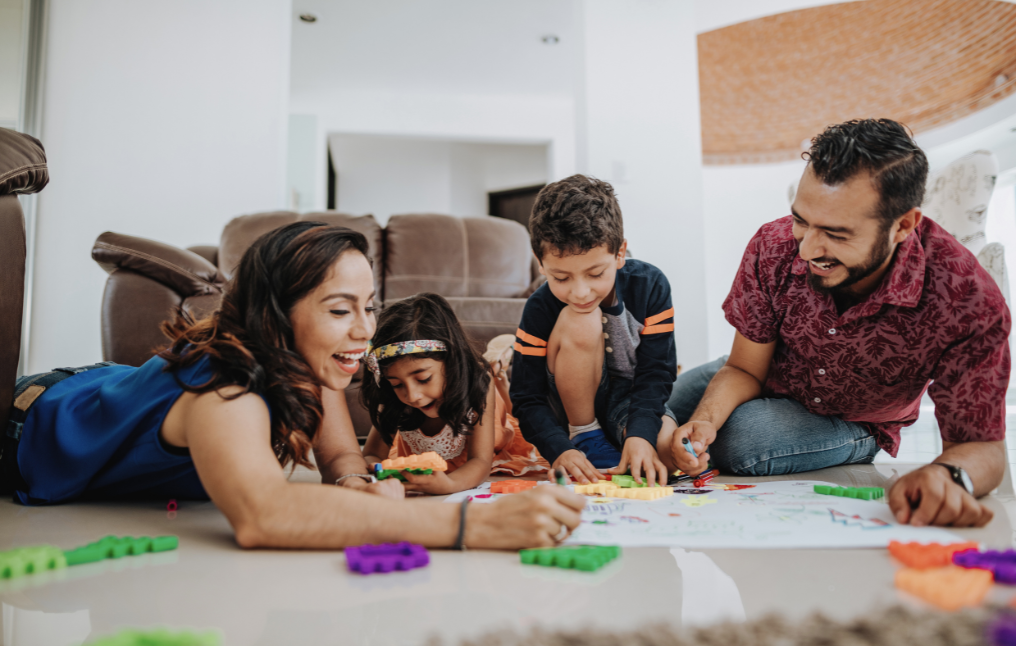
(845, 312)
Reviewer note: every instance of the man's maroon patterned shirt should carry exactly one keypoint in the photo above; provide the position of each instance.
(936, 317)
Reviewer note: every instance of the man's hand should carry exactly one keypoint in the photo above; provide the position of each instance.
(928, 496)
(577, 467)
(701, 435)
(639, 455)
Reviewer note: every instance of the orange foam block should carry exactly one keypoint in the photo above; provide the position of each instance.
(921, 555)
(949, 588)
(428, 460)
(511, 486)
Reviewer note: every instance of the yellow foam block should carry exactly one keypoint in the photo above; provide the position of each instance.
(634, 493)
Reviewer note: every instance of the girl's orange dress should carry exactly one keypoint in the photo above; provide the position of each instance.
(513, 455)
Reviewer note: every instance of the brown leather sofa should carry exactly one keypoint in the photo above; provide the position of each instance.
(482, 265)
(22, 171)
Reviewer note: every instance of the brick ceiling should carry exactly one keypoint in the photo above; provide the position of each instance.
(768, 84)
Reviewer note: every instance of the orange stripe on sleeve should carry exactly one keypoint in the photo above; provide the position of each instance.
(657, 329)
(530, 339)
(532, 352)
(662, 316)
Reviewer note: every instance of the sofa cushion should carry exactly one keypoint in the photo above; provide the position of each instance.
(456, 257)
(241, 233)
(22, 163)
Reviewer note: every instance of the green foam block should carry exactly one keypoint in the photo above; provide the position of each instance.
(160, 637)
(860, 493)
(112, 547)
(30, 560)
(587, 558)
(397, 473)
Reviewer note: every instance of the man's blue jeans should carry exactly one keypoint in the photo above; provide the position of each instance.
(768, 437)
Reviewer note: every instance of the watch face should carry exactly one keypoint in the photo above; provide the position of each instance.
(967, 483)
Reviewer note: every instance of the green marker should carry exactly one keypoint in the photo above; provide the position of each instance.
(559, 477)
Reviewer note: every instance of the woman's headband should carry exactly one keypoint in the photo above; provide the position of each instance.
(397, 350)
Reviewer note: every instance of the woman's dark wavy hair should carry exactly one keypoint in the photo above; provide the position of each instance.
(249, 338)
(466, 373)
(883, 148)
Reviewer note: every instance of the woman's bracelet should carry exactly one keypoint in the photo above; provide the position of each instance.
(369, 477)
(460, 542)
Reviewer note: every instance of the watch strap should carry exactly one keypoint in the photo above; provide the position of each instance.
(956, 474)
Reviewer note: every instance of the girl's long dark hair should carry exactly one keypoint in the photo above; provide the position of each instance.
(466, 373)
(249, 339)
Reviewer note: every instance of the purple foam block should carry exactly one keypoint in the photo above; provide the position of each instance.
(1002, 565)
(386, 557)
(1002, 632)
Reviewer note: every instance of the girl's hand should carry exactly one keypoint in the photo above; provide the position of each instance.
(388, 488)
(541, 517)
(436, 484)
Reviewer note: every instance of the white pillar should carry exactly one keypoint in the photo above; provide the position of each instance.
(638, 127)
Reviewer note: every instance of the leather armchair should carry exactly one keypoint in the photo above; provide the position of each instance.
(22, 171)
(482, 265)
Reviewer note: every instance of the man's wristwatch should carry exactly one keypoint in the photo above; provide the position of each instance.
(959, 476)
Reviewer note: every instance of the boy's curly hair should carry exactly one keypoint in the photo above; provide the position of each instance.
(574, 215)
(467, 374)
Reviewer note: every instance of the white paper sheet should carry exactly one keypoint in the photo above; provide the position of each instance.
(770, 515)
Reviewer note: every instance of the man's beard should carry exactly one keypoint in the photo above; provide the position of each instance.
(879, 253)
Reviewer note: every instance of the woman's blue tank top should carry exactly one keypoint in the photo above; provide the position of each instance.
(96, 434)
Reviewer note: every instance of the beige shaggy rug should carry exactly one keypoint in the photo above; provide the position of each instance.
(892, 627)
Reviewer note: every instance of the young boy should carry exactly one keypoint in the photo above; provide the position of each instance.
(594, 355)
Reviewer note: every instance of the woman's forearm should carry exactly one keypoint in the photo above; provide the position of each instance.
(341, 465)
(298, 515)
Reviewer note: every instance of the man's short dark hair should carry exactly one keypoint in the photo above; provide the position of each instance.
(574, 215)
(883, 148)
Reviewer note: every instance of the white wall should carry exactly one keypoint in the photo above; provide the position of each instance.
(301, 167)
(738, 200)
(161, 121)
(388, 175)
(11, 61)
(638, 127)
(518, 120)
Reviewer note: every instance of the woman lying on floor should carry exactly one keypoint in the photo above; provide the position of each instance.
(240, 395)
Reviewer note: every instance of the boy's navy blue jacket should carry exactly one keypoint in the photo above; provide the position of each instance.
(643, 290)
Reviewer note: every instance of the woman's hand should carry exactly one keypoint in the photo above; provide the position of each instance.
(436, 484)
(541, 517)
(389, 488)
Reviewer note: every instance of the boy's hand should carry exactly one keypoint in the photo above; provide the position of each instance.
(701, 435)
(577, 467)
(639, 455)
(437, 483)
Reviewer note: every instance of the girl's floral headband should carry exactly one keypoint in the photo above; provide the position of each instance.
(373, 354)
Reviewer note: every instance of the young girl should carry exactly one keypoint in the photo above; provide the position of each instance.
(432, 391)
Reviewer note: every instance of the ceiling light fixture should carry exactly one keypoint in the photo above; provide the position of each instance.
(308, 17)
(550, 39)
